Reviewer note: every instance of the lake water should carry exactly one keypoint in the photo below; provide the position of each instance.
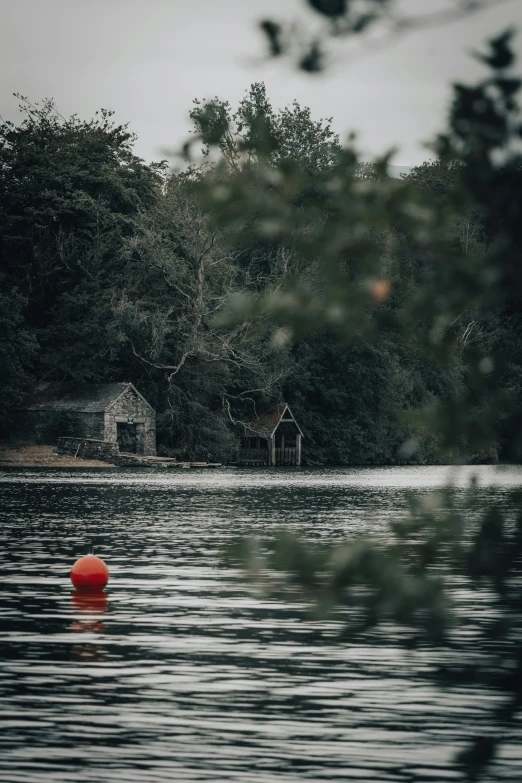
(181, 672)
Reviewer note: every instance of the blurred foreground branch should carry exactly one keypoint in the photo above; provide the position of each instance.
(366, 25)
(432, 259)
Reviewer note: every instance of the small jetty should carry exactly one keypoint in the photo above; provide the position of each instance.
(111, 453)
(141, 461)
(49, 456)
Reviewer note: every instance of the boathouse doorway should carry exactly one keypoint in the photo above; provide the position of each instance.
(127, 437)
(286, 452)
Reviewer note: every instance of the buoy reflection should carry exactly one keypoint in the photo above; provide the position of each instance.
(90, 603)
(89, 609)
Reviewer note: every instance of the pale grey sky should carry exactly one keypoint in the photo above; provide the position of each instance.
(147, 60)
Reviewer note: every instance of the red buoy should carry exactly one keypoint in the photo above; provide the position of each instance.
(89, 573)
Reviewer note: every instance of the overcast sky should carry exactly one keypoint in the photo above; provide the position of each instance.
(147, 60)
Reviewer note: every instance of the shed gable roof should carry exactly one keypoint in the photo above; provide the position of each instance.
(269, 418)
(131, 387)
(74, 397)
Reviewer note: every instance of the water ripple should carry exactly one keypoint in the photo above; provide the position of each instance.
(181, 672)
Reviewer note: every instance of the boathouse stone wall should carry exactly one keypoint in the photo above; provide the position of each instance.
(88, 448)
(47, 426)
(112, 412)
(130, 407)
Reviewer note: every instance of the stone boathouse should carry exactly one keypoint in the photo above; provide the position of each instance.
(273, 437)
(109, 412)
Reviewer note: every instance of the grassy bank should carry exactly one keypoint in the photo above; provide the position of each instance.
(42, 456)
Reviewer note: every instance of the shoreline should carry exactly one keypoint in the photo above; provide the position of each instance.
(44, 456)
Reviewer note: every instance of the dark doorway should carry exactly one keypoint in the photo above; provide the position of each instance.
(126, 434)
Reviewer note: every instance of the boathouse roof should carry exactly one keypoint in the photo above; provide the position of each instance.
(75, 397)
(268, 418)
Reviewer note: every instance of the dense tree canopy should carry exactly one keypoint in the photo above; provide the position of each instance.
(70, 193)
(131, 272)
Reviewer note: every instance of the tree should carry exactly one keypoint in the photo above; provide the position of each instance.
(125, 273)
(18, 348)
(181, 273)
(70, 191)
(435, 260)
(255, 133)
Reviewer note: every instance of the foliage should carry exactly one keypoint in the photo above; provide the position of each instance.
(428, 264)
(18, 349)
(357, 399)
(339, 24)
(423, 258)
(128, 273)
(121, 275)
(69, 192)
(255, 133)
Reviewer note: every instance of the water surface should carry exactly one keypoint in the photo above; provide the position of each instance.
(180, 672)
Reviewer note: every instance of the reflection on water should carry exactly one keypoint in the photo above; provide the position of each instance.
(90, 603)
(180, 673)
(89, 610)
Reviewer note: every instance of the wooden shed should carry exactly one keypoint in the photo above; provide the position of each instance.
(273, 437)
(111, 412)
